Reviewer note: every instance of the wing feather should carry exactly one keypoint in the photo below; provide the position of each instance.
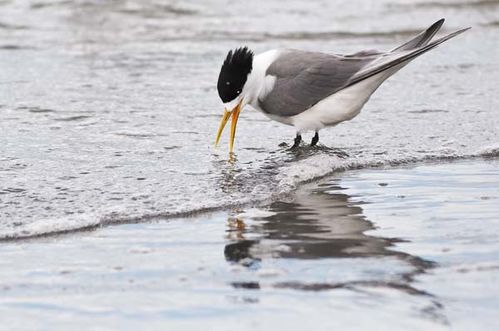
(305, 78)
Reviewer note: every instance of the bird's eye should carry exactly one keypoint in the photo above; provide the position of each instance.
(238, 92)
(227, 83)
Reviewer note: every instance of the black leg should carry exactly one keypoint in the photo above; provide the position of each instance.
(297, 141)
(315, 139)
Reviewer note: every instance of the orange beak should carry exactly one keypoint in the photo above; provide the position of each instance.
(225, 118)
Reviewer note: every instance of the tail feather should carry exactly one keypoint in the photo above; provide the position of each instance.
(423, 38)
(400, 58)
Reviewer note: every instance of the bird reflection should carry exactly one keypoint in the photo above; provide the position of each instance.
(324, 223)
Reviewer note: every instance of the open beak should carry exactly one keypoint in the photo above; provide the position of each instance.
(225, 118)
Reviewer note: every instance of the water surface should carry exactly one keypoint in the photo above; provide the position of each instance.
(108, 109)
(405, 248)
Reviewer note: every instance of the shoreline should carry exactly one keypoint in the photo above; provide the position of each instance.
(487, 153)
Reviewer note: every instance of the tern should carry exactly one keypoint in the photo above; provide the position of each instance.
(311, 90)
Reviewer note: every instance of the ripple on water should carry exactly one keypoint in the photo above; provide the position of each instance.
(73, 118)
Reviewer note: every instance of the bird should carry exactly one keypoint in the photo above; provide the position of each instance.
(311, 90)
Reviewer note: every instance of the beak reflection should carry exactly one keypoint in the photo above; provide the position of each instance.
(225, 118)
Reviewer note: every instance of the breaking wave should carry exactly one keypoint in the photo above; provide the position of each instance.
(273, 180)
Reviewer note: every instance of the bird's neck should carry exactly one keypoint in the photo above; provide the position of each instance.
(258, 83)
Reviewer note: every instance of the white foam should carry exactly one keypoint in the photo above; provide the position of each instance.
(289, 176)
(51, 226)
(306, 170)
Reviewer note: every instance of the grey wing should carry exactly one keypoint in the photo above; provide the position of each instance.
(305, 78)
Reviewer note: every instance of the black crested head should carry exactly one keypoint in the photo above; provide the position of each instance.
(237, 65)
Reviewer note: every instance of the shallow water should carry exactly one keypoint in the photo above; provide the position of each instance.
(405, 248)
(108, 109)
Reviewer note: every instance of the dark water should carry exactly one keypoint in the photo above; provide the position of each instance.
(405, 248)
(108, 109)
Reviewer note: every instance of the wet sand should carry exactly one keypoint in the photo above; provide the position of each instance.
(401, 248)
